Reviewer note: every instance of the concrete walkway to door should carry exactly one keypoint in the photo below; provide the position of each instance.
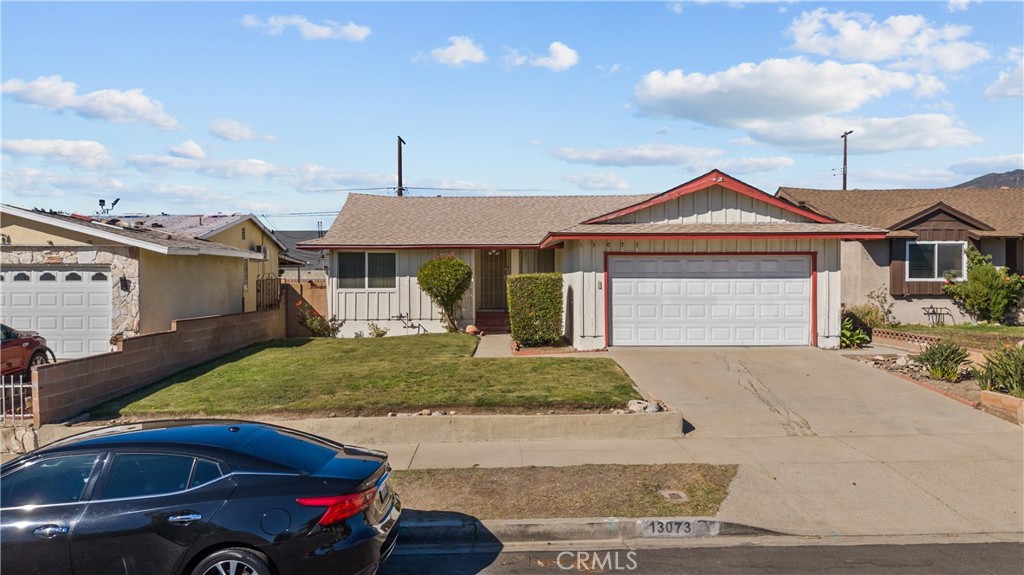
(829, 445)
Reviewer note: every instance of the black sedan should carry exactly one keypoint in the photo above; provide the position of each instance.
(197, 498)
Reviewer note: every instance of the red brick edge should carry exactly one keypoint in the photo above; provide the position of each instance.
(926, 385)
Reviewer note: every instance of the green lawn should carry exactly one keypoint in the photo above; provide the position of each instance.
(374, 376)
(979, 336)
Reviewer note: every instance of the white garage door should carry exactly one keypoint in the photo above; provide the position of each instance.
(70, 307)
(710, 300)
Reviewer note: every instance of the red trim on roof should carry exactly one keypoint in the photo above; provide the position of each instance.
(715, 177)
(560, 237)
(319, 247)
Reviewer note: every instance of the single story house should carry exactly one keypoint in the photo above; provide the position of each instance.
(82, 282)
(242, 231)
(305, 265)
(927, 233)
(713, 261)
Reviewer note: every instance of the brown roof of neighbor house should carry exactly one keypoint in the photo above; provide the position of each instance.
(1000, 209)
(390, 221)
(169, 242)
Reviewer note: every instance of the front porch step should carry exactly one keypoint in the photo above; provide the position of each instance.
(492, 321)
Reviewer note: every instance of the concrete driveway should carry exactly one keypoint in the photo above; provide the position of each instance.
(792, 391)
(828, 445)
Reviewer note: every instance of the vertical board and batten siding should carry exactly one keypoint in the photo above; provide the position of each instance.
(940, 227)
(383, 305)
(714, 205)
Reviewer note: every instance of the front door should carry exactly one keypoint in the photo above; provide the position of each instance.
(494, 268)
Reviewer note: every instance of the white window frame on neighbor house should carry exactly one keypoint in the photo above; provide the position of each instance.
(935, 260)
(366, 271)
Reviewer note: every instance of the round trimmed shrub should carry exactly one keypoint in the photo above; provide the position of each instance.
(446, 279)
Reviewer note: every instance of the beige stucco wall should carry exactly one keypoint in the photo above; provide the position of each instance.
(866, 269)
(180, 287)
(260, 264)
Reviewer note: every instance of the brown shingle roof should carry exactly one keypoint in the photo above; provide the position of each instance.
(390, 221)
(1002, 209)
(174, 243)
(796, 228)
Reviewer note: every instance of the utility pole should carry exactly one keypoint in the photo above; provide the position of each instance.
(401, 188)
(845, 134)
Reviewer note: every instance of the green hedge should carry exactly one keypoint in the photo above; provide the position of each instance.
(535, 308)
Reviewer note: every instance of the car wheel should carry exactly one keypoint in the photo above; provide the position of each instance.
(233, 562)
(38, 358)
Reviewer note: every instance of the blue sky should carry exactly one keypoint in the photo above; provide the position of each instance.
(278, 108)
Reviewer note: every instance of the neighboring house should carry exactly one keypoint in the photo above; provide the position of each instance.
(713, 261)
(928, 231)
(242, 231)
(303, 265)
(80, 282)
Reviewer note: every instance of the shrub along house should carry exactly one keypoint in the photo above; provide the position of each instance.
(713, 261)
(927, 233)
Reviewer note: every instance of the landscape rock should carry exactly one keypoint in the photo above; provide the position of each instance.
(653, 407)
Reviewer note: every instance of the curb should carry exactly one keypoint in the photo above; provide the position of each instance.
(471, 531)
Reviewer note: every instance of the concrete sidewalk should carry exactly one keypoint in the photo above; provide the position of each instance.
(814, 486)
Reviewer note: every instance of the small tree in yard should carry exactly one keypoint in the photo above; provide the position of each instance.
(989, 292)
(446, 279)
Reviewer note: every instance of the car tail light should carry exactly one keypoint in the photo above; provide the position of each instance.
(340, 507)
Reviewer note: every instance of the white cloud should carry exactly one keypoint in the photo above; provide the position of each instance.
(36, 183)
(905, 42)
(188, 149)
(644, 155)
(871, 135)
(772, 89)
(1010, 83)
(116, 106)
(754, 165)
(514, 58)
(560, 58)
(248, 168)
(692, 159)
(460, 50)
(235, 131)
(958, 5)
(329, 30)
(674, 7)
(976, 166)
(598, 181)
(82, 153)
(928, 86)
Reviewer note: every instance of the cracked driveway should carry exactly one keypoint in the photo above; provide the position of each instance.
(792, 391)
(828, 446)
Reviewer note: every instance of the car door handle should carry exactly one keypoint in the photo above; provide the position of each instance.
(50, 531)
(184, 519)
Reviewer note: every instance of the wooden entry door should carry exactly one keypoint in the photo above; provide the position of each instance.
(494, 268)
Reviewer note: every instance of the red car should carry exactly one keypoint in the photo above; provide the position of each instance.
(21, 350)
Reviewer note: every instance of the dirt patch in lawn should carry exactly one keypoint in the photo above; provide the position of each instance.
(577, 491)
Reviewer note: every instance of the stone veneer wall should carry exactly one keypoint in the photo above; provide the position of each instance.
(123, 262)
(65, 389)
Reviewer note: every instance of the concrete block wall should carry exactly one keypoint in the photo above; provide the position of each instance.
(68, 388)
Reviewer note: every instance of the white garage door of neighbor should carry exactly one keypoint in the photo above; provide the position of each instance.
(710, 300)
(70, 307)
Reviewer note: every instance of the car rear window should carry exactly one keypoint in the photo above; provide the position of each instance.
(286, 449)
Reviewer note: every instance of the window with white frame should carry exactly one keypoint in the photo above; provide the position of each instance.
(367, 270)
(931, 261)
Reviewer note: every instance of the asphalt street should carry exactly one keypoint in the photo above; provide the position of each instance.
(921, 559)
